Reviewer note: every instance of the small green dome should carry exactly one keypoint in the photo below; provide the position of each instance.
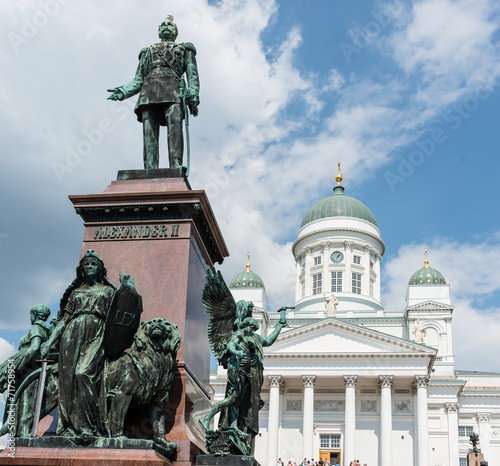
(247, 279)
(338, 205)
(427, 276)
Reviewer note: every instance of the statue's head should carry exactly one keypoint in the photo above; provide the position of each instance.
(39, 312)
(91, 265)
(167, 30)
(249, 325)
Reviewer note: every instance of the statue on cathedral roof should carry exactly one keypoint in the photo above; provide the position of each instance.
(331, 303)
(239, 349)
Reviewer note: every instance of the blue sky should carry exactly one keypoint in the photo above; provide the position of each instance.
(405, 93)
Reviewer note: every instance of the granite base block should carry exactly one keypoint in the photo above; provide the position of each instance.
(57, 456)
(228, 460)
(153, 173)
(93, 442)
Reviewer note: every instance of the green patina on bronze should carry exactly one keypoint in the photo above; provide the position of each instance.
(238, 348)
(18, 367)
(165, 97)
(94, 382)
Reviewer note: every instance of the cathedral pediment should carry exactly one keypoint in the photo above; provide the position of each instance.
(333, 337)
(429, 306)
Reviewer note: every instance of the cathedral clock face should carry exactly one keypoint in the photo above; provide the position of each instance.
(337, 257)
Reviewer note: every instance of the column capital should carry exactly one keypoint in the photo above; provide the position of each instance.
(452, 407)
(385, 381)
(325, 245)
(448, 320)
(350, 381)
(307, 250)
(348, 245)
(421, 381)
(275, 380)
(308, 380)
(368, 249)
(483, 417)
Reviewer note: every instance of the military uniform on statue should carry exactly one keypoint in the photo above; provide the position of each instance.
(164, 98)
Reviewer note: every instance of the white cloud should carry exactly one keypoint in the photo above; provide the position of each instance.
(6, 349)
(450, 45)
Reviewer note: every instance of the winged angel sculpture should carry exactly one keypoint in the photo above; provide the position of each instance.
(239, 349)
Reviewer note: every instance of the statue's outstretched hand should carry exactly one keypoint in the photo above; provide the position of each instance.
(116, 94)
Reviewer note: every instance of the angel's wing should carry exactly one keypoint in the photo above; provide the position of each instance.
(221, 306)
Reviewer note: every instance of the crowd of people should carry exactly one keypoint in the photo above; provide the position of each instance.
(312, 462)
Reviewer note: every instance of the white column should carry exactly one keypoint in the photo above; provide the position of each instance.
(307, 272)
(376, 269)
(452, 409)
(386, 420)
(449, 339)
(365, 278)
(327, 280)
(421, 382)
(308, 419)
(273, 422)
(298, 285)
(415, 423)
(350, 419)
(348, 261)
(484, 434)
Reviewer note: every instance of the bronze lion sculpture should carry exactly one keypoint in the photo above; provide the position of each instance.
(143, 376)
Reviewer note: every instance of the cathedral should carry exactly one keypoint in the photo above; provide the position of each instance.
(350, 380)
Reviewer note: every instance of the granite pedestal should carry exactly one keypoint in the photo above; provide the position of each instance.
(60, 451)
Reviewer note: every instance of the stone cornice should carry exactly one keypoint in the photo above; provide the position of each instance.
(429, 305)
(481, 393)
(344, 229)
(344, 355)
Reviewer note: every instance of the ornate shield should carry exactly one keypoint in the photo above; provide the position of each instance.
(123, 318)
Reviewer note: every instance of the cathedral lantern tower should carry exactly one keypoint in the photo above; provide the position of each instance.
(338, 250)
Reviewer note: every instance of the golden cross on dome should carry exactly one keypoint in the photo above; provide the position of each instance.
(248, 262)
(426, 261)
(338, 177)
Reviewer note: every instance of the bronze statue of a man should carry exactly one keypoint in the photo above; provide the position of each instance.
(164, 97)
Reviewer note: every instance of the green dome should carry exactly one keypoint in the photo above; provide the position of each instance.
(247, 279)
(427, 276)
(338, 205)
